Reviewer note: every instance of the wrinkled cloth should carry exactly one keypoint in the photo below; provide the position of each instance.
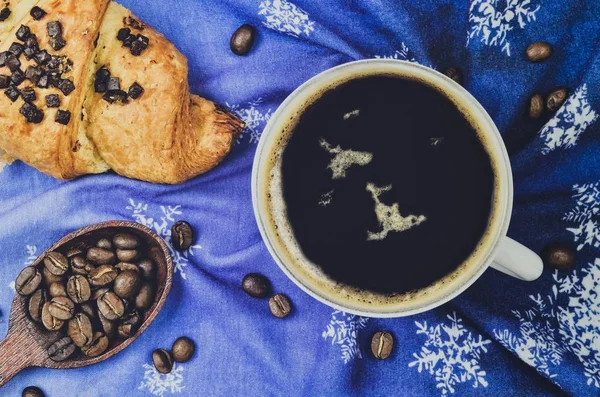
(500, 337)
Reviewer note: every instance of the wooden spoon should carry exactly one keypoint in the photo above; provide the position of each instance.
(27, 342)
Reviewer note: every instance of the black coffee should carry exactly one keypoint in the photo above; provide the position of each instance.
(387, 186)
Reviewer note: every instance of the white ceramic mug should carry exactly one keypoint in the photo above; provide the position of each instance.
(496, 250)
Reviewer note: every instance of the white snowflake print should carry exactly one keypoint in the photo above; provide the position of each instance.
(451, 354)
(343, 331)
(536, 343)
(586, 215)
(31, 251)
(571, 120)
(403, 54)
(158, 384)
(491, 20)
(162, 227)
(255, 120)
(285, 17)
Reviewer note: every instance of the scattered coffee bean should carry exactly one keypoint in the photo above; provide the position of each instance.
(56, 263)
(37, 13)
(32, 391)
(256, 285)
(36, 304)
(455, 74)
(148, 269)
(78, 289)
(129, 324)
(538, 52)
(145, 297)
(559, 256)
(61, 349)
(80, 330)
(536, 106)
(182, 235)
(127, 255)
(242, 39)
(28, 281)
(556, 98)
(163, 362)
(111, 306)
(50, 322)
(104, 244)
(61, 308)
(97, 346)
(102, 275)
(127, 284)
(183, 349)
(382, 345)
(123, 266)
(280, 305)
(57, 289)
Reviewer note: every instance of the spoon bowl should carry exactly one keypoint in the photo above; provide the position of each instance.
(27, 342)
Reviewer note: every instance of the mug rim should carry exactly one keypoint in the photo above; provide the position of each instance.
(490, 130)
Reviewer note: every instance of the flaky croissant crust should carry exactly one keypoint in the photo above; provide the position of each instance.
(165, 136)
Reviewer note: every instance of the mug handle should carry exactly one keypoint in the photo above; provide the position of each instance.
(517, 261)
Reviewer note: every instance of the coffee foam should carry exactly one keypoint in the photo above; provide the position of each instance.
(310, 274)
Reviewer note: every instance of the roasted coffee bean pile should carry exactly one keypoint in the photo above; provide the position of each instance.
(92, 295)
(111, 87)
(258, 286)
(47, 71)
(182, 351)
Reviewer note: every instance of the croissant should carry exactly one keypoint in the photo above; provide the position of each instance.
(89, 88)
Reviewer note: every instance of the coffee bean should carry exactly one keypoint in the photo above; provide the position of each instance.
(36, 304)
(163, 362)
(111, 306)
(74, 252)
(556, 98)
(80, 330)
(125, 241)
(61, 308)
(183, 349)
(102, 275)
(78, 289)
(89, 311)
(50, 322)
(256, 285)
(28, 281)
(32, 391)
(148, 269)
(104, 243)
(50, 278)
(99, 292)
(127, 284)
(182, 235)
(559, 256)
(57, 289)
(81, 266)
(61, 349)
(382, 345)
(109, 327)
(97, 346)
(280, 305)
(127, 255)
(123, 266)
(101, 256)
(536, 106)
(538, 52)
(455, 74)
(242, 39)
(145, 297)
(129, 324)
(56, 263)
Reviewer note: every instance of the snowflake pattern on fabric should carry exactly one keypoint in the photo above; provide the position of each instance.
(403, 54)
(285, 17)
(571, 120)
(255, 120)
(343, 331)
(491, 20)
(451, 354)
(162, 226)
(586, 215)
(158, 384)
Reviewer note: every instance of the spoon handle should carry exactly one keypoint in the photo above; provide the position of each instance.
(15, 354)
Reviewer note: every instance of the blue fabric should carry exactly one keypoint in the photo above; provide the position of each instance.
(501, 337)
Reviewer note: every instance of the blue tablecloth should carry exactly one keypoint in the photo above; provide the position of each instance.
(501, 337)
